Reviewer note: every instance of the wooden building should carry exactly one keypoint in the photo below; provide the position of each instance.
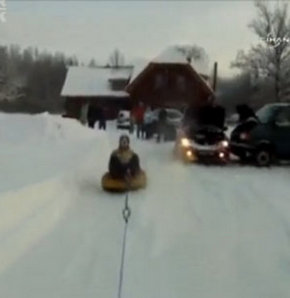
(100, 86)
(169, 80)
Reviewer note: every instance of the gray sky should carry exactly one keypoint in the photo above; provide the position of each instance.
(139, 29)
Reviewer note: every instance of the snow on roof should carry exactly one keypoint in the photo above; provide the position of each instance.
(123, 73)
(172, 55)
(85, 81)
(139, 66)
(175, 56)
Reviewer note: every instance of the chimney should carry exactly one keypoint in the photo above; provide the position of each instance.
(215, 69)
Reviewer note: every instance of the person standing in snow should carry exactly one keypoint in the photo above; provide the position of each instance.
(124, 163)
(92, 116)
(138, 114)
(102, 119)
(245, 113)
(84, 113)
(148, 122)
(161, 126)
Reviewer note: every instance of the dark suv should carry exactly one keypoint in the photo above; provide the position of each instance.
(265, 138)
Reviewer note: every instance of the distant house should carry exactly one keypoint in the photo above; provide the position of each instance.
(101, 86)
(168, 80)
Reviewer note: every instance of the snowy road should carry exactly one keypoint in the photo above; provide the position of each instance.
(196, 231)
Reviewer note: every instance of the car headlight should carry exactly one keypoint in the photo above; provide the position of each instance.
(189, 153)
(225, 144)
(185, 142)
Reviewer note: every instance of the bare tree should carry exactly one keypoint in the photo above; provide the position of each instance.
(116, 59)
(192, 52)
(271, 56)
(92, 63)
(31, 81)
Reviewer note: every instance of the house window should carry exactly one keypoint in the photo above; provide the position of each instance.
(118, 84)
(181, 83)
(159, 81)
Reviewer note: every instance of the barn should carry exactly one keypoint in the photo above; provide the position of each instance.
(168, 80)
(171, 80)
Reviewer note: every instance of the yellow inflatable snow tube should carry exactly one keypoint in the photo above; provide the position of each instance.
(119, 185)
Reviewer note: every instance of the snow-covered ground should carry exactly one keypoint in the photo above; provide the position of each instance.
(195, 231)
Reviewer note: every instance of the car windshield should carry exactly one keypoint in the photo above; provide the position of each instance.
(267, 113)
(173, 114)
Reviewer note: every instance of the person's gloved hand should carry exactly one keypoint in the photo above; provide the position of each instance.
(128, 173)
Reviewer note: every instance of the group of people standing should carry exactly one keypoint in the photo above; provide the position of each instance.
(146, 123)
(145, 119)
(94, 114)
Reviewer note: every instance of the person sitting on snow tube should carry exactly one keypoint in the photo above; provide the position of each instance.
(124, 163)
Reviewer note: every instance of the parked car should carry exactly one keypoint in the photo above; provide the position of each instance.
(207, 144)
(174, 116)
(124, 120)
(173, 121)
(204, 139)
(233, 119)
(265, 138)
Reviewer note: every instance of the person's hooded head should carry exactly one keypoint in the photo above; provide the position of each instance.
(124, 142)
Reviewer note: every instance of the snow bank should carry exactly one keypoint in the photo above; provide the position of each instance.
(21, 128)
(35, 148)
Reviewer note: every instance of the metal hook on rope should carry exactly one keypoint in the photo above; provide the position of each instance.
(126, 215)
(126, 211)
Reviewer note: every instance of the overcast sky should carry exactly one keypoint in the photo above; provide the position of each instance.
(92, 29)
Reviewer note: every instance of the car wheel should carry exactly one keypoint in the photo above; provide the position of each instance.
(263, 157)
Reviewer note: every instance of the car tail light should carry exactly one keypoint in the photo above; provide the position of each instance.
(244, 136)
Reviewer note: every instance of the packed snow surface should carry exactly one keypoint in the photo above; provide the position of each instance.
(195, 231)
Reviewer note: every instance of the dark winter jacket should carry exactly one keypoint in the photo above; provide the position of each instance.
(123, 163)
(162, 116)
(245, 112)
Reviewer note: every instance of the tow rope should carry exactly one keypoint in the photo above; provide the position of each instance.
(126, 215)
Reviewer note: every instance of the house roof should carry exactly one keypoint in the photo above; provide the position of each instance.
(139, 66)
(85, 81)
(171, 55)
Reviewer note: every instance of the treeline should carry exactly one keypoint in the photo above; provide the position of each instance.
(245, 89)
(30, 80)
